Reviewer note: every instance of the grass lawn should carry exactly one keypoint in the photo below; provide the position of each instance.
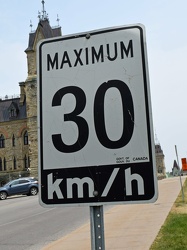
(173, 234)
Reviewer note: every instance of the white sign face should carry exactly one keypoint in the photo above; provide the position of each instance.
(94, 103)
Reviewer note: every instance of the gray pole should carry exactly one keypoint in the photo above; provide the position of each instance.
(97, 228)
(180, 174)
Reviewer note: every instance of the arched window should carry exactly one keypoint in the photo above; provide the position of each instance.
(2, 141)
(13, 141)
(4, 164)
(1, 164)
(25, 138)
(14, 162)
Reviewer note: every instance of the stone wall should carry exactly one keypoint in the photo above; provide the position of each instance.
(31, 99)
(13, 154)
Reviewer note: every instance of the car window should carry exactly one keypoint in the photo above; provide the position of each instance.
(15, 182)
(33, 179)
(9, 183)
(23, 181)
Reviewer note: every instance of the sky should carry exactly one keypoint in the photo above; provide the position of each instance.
(166, 36)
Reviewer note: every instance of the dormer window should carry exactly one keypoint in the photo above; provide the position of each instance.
(13, 110)
(13, 113)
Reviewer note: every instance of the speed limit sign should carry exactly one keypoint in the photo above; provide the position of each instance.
(95, 127)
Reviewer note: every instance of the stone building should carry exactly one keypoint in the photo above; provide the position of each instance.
(14, 148)
(160, 164)
(18, 116)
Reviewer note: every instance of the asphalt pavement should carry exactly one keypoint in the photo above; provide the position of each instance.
(132, 227)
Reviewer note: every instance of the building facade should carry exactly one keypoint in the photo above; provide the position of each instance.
(160, 163)
(18, 116)
(14, 149)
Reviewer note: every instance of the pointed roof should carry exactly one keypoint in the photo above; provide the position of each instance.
(13, 105)
(175, 165)
(5, 107)
(46, 30)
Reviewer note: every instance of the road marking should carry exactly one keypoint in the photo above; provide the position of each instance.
(11, 222)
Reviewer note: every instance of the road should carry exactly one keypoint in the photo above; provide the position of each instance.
(24, 224)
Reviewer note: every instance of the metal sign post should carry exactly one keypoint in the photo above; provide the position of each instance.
(95, 131)
(97, 228)
(180, 174)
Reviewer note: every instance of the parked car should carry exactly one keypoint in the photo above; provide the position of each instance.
(28, 186)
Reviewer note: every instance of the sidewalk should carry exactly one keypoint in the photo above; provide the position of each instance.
(132, 227)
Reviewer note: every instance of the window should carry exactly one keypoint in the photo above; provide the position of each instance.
(14, 163)
(1, 164)
(27, 162)
(12, 113)
(13, 110)
(23, 181)
(13, 141)
(15, 183)
(4, 164)
(25, 138)
(2, 141)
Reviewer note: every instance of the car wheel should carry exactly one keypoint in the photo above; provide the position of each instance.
(3, 195)
(33, 191)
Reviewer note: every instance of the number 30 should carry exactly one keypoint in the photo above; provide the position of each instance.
(99, 119)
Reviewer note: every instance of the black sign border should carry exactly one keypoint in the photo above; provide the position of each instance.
(42, 172)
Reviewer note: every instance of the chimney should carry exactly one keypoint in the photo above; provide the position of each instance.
(22, 93)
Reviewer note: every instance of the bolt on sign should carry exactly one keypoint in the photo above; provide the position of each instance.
(96, 141)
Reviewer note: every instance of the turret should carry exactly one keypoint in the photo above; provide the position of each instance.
(43, 31)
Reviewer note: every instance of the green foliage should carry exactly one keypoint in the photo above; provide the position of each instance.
(173, 234)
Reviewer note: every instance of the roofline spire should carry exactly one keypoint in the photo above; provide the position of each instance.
(57, 20)
(156, 139)
(43, 10)
(31, 25)
(44, 15)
